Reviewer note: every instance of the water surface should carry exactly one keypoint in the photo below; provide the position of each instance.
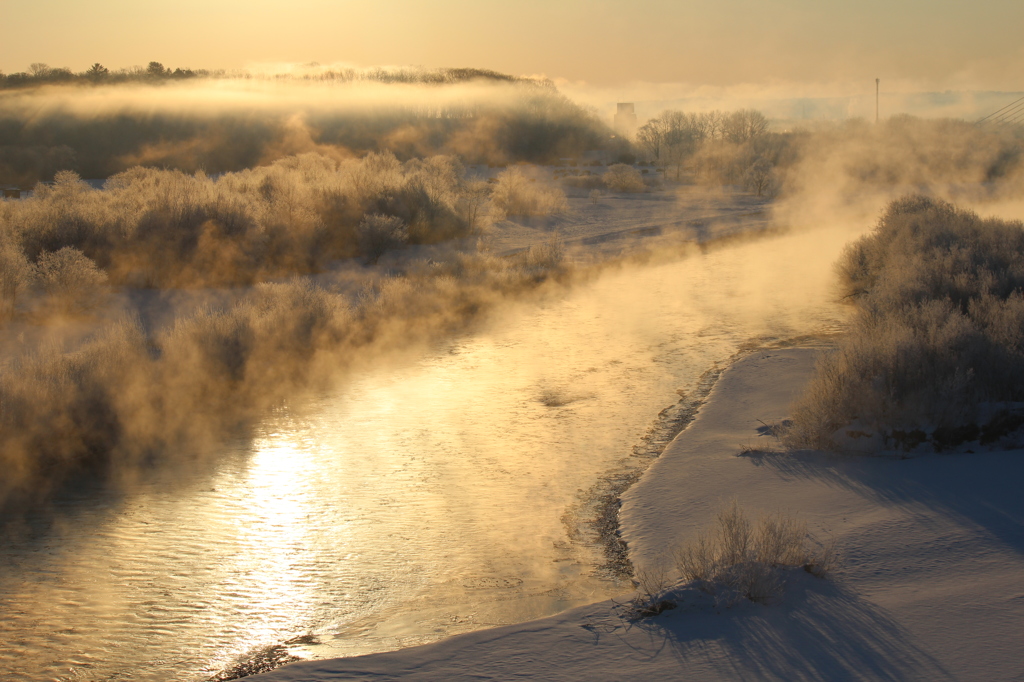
(423, 497)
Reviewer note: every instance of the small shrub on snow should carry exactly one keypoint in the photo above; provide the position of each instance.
(516, 195)
(585, 181)
(650, 595)
(737, 559)
(622, 177)
(544, 257)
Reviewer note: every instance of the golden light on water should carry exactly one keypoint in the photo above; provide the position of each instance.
(426, 496)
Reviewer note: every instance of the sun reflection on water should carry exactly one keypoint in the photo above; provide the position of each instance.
(422, 498)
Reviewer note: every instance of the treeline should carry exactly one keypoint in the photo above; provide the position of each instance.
(44, 74)
(717, 147)
(935, 353)
(739, 148)
(42, 132)
(155, 72)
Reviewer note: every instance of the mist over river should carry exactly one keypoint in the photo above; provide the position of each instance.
(425, 496)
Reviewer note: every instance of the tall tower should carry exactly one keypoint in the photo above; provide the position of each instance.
(625, 119)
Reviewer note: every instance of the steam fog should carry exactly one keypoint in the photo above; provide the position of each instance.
(492, 440)
(468, 298)
(231, 124)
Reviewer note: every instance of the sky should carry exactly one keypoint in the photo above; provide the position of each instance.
(934, 44)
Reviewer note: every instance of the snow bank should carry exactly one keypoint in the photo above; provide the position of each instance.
(931, 587)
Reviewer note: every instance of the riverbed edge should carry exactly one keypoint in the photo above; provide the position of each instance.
(932, 585)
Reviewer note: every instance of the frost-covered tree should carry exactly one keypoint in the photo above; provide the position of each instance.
(71, 279)
(378, 233)
(744, 125)
(622, 177)
(15, 274)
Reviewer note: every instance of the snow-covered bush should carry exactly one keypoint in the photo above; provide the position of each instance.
(737, 559)
(167, 228)
(515, 194)
(544, 258)
(622, 177)
(938, 335)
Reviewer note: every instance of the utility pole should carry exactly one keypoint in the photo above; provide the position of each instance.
(877, 81)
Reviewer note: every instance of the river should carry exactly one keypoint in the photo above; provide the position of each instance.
(427, 495)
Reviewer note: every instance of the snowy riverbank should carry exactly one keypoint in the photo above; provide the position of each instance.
(931, 584)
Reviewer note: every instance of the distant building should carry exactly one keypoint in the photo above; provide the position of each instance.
(625, 119)
(12, 193)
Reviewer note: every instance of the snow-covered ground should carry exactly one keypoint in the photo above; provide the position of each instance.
(930, 587)
(619, 221)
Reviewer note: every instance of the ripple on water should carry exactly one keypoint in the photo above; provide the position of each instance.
(421, 499)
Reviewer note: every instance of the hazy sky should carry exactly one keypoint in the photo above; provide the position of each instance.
(938, 43)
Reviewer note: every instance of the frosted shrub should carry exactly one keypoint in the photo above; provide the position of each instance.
(15, 274)
(938, 329)
(167, 228)
(515, 194)
(127, 397)
(71, 279)
(621, 177)
(58, 410)
(378, 234)
(544, 258)
(737, 559)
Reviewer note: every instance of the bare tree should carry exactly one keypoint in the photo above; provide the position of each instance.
(474, 196)
(713, 122)
(673, 137)
(650, 137)
(760, 177)
(744, 125)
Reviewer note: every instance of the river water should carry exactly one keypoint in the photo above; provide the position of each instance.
(425, 496)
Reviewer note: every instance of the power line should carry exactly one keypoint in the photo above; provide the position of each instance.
(1016, 119)
(1010, 114)
(1010, 118)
